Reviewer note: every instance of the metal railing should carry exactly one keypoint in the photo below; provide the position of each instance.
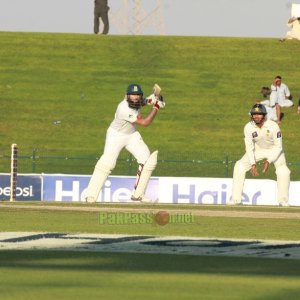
(127, 165)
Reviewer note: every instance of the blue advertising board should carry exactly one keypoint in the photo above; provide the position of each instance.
(29, 187)
(118, 189)
(59, 187)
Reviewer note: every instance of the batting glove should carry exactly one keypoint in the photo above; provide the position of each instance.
(159, 104)
(254, 171)
(266, 166)
(150, 100)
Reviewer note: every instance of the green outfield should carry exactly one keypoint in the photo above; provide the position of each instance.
(76, 218)
(209, 85)
(73, 275)
(36, 274)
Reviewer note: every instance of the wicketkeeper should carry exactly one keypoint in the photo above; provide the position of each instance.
(121, 134)
(263, 141)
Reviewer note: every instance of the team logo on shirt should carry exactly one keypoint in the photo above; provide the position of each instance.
(254, 134)
(278, 134)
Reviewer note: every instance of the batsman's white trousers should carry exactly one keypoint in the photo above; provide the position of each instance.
(243, 165)
(116, 141)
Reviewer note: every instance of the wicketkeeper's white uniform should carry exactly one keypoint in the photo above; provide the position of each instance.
(262, 143)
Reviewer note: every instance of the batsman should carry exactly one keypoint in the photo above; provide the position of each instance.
(263, 141)
(121, 134)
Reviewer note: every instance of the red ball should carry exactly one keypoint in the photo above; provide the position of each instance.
(162, 218)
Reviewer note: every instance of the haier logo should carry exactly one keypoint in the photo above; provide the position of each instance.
(76, 193)
(219, 195)
(72, 193)
(73, 188)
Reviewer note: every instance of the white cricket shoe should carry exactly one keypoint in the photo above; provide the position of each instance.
(234, 202)
(90, 199)
(143, 199)
(136, 199)
(284, 203)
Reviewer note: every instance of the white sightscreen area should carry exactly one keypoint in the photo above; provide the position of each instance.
(295, 10)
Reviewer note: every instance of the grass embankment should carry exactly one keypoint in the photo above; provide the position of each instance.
(209, 85)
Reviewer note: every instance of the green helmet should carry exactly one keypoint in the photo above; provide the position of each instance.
(134, 89)
(258, 109)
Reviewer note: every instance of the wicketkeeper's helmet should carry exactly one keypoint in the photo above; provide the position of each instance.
(258, 109)
(134, 89)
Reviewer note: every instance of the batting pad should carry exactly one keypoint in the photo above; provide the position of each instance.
(145, 175)
(101, 172)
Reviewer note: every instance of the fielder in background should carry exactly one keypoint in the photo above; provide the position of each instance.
(263, 140)
(283, 93)
(271, 105)
(294, 33)
(101, 12)
(121, 134)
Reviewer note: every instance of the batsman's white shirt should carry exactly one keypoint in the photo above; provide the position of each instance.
(263, 143)
(125, 117)
(122, 133)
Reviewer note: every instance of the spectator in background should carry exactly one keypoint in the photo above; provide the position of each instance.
(271, 105)
(298, 106)
(283, 93)
(101, 12)
(294, 33)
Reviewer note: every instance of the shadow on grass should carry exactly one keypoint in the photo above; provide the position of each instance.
(160, 263)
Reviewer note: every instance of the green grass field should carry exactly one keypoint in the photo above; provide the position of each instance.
(73, 275)
(39, 274)
(43, 218)
(209, 85)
